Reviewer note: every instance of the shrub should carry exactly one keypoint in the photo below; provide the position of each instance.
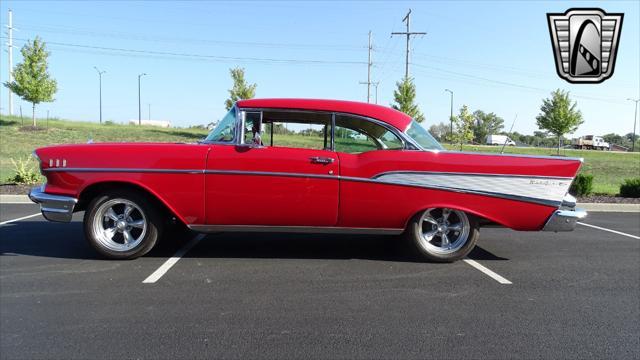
(582, 185)
(109, 122)
(25, 173)
(630, 188)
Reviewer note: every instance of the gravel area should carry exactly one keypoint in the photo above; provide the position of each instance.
(608, 199)
(15, 189)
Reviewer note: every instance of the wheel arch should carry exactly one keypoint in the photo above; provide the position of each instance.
(480, 218)
(92, 190)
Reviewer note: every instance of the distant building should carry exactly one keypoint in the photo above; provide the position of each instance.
(158, 123)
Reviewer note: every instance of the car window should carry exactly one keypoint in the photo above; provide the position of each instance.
(356, 135)
(225, 130)
(297, 129)
(252, 130)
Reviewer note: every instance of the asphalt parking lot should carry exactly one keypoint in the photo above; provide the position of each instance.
(530, 295)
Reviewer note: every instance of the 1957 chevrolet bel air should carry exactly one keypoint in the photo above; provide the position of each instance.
(299, 165)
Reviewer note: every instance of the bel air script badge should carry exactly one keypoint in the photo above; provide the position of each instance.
(585, 43)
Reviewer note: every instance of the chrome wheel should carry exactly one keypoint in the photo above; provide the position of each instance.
(119, 225)
(443, 231)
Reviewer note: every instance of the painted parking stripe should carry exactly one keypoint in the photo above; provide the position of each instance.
(488, 272)
(21, 218)
(156, 275)
(609, 230)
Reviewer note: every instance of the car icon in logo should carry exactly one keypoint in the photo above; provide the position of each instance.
(585, 44)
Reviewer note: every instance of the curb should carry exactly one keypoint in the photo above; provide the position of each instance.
(595, 207)
(15, 199)
(606, 207)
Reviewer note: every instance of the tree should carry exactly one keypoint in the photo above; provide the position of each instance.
(486, 124)
(405, 96)
(32, 81)
(559, 115)
(462, 127)
(240, 90)
(439, 131)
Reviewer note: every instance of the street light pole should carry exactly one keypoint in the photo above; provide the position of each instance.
(100, 81)
(139, 103)
(635, 117)
(451, 113)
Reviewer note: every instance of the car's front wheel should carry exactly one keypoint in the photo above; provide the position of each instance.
(122, 225)
(442, 234)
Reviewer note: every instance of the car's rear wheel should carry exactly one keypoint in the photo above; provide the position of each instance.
(442, 234)
(122, 225)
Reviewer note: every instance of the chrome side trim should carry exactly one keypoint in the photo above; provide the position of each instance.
(378, 179)
(54, 207)
(294, 229)
(473, 174)
(271, 173)
(126, 170)
(568, 202)
(564, 220)
(517, 155)
(532, 200)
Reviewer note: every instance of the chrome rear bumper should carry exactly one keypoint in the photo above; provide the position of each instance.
(54, 207)
(566, 217)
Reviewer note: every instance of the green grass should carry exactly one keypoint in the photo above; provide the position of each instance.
(17, 143)
(608, 168)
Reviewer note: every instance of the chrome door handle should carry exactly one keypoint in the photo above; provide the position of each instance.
(322, 160)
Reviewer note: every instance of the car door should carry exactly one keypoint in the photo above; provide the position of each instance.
(253, 182)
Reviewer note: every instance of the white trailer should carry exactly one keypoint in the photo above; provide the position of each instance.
(590, 142)
(159, 123)
(500, 140)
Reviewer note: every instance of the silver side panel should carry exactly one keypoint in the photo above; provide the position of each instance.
(546, 190)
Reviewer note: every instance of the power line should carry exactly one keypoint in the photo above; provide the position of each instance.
(510, 84)
(202, 56)
(134, 36)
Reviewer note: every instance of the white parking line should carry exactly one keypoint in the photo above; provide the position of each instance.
(488, 272)
(21, 218)
(609, 230)
(156, 275)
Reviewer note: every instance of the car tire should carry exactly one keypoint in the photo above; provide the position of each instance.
(426, 229)
(122, 224)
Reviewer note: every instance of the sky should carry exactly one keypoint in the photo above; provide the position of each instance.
(495, 56)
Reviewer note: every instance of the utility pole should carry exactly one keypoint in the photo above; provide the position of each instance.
(451, 116)
(100, 86)
(635, 116)
(376, 85)
(139, 103)
(149, 111)
(369, 63)
(10, 51)
(408, 33)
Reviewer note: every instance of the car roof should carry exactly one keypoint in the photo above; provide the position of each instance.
(395, 118)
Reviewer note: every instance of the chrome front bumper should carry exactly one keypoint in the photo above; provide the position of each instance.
(54, 207)
(565, 218)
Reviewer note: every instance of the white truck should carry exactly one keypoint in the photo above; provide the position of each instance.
(590, 142)
(500, 140)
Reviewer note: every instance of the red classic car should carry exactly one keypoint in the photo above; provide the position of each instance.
(297, 165)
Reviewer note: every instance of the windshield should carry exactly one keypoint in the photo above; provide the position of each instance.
(422, 137)
(225, 130)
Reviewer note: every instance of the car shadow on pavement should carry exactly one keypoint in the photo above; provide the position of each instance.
(37, 238)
